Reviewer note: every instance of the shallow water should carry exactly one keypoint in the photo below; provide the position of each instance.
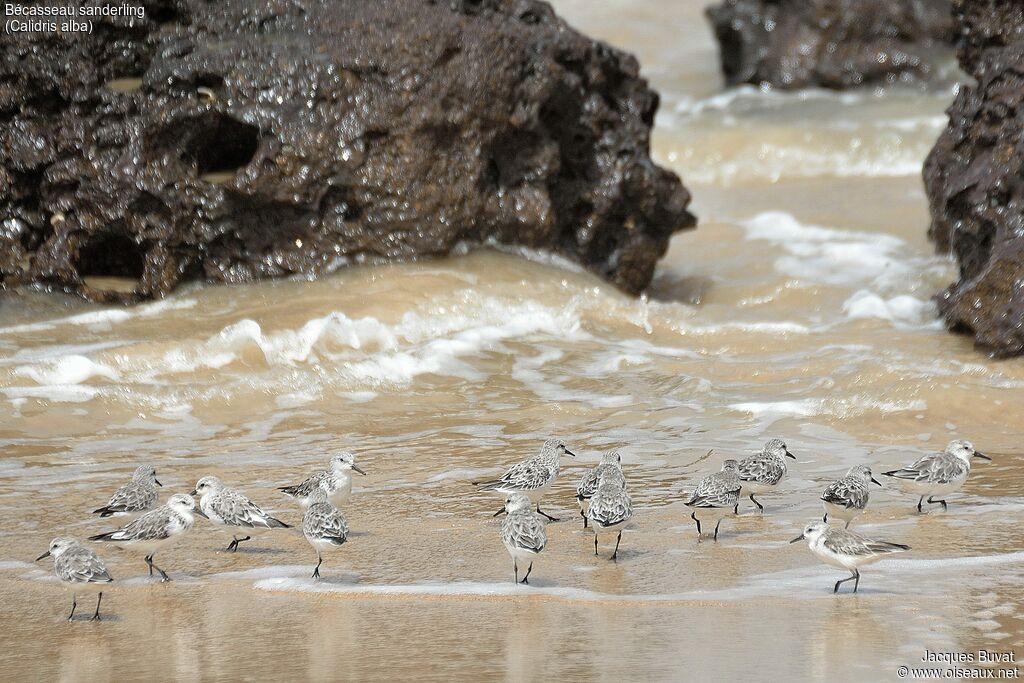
(800, 307)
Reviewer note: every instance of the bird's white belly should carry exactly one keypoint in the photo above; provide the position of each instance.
(755, 487)
(149, 547)
(522, 556)
(840, 512)
(925, 488)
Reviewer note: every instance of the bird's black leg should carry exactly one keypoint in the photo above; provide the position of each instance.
(852, 577)
(74, 604)
(233, 546)
(856, 583)
(615, 554)
(544, 514)
(919, 504)
(316, 570)
(848, 523)
(595, 543)
(515, 569)
(163, 574)
(149, 561)
(754, 501)
(933, 502)
(96, 614)
(736, 509)
(716, 529)
(825, 518)
(584, 516)
(693, 516)
(526, 579)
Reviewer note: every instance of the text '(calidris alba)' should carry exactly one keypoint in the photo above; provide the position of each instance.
(532, 477)
(939, 473)
(78, 568)
(138, 495)
(846, 549)
(232, 510)
(156, 529)
(848, 497)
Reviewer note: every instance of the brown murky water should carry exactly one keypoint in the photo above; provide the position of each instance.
(800, 307)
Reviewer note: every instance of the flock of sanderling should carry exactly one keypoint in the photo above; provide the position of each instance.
(604, 501)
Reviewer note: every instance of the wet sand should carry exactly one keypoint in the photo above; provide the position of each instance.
(800, 307)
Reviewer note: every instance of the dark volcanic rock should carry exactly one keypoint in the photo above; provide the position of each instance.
(830, 43)
(267, 138)
(974, 177)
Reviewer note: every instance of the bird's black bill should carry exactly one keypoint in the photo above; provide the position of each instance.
(798, 539)
(502, 510)
(157, 482)
(356, 468)
(194, 493)
(790, 455)
(43, 556)
(982, 456)
(201, 513)
(568, 452)
(875, 481)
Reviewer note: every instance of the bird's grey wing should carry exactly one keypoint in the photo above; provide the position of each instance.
(760, 469)
(588, 484)
(946, 468)
(306, 486)
(325, 521)
(716, 491)
(132, 497)
(156, 525)
(527, 530)
(929, 468)
(612, 509)
(849, 543)
(526, 476)
(237, 510)
(83, 566)
(846, 493)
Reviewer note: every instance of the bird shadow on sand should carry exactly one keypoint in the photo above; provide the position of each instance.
(112, 618)
(252, 550)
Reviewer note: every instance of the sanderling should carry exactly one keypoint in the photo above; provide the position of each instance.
(588, 484)
(138, 495)
(762, 472)
(716, 496)
(610, 508)
(323, 525)
(523, 532)
(233, 510)
(337, 478)
(845, 549)
(156, 529)
(532, 477)
(79, 568)
(848, 497)
(939, 473)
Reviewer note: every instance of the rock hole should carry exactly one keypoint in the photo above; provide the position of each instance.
(220, 144)
(110, 255)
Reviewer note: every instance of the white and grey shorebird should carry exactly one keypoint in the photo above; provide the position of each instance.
(716, 496)
(156, 529)
(233, 510)
(846, 549)
(335, 480)
(587, 487)
(610, 508)
(848, 497)
(532, 477)
(138, 495)
(523, 532)
(324, 526)
(938, 474)
(80, 569)
(762, 472)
